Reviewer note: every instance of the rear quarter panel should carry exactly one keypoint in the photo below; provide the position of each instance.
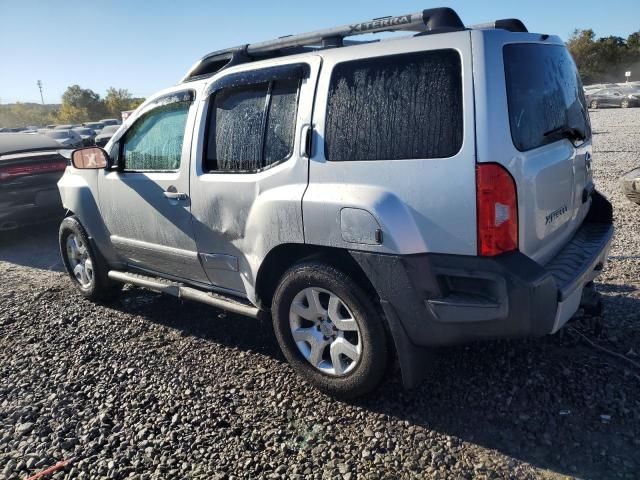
(421, 205)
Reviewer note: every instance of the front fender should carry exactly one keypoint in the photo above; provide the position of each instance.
(77, 189)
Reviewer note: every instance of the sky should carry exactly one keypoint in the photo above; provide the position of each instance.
(145, 46)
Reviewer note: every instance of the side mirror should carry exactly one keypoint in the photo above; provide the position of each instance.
(90, 158)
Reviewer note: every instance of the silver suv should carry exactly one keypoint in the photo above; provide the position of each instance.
(376, 198)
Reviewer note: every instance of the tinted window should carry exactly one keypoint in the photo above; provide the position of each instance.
(544, 93)
(395, 107)
(252, 126)
(154, 142)
(281, 121)
(239, 114)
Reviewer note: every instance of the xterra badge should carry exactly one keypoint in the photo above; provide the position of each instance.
(555, 214)
(380, 23)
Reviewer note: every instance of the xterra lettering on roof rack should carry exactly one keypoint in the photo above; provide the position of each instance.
(434, 20)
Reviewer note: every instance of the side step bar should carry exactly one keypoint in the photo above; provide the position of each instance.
(189, 293)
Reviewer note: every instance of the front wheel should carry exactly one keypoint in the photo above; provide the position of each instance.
(593, 104)
(330, 330)
(625, 103)
(87, 270)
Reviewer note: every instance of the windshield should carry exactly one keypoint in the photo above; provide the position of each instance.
(544, 93)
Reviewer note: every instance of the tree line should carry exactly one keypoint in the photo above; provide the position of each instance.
(605, 59)
(78, 105)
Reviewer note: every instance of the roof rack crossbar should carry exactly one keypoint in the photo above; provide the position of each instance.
(414, 22)
(433, 20)
(425, 20)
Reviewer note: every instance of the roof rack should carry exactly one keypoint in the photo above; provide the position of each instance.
(434, 20)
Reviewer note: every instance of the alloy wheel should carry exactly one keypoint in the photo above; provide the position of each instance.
(79, 261)
(325, 331)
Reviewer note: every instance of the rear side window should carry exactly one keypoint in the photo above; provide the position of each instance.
(544, 93)
(252, 126)
(395, 107)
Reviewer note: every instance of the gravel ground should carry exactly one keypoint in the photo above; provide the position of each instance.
(150, 387)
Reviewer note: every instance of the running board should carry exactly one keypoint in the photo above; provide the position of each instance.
(175, 289)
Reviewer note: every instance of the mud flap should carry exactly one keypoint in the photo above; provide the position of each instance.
(414, 361)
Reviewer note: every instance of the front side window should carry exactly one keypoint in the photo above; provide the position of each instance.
(252, 126)
(154, 142)
(395, 107)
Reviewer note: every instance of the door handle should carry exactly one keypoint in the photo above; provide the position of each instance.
(305, 141)
(175, 195)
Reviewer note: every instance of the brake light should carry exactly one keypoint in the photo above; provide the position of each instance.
(497, 205)
(13, 171)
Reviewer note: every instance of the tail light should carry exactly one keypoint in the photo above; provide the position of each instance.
(13, 171)
(497, 204)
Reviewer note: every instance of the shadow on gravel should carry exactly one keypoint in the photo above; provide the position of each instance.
(201, 321)
(553, 402)
(35, 246)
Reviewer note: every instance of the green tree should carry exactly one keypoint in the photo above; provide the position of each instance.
(605, 59)
(582, 46)
(26, 114)
(117, 100)
(80, 105)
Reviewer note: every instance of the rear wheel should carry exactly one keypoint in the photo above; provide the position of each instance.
(594, 104)
(87, 270)
(330, 330)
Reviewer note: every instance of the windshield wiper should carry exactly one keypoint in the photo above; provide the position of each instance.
(567, 132)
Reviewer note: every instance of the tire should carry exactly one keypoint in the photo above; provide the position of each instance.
(346, 306)
(594, 104)
(85, 266)
(624, 103)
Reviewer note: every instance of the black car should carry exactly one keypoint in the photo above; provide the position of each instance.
(87, 135)
(614, 97)
(631, 185)
(30, 167)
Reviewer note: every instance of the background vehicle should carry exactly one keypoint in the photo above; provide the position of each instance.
(110, 121)
(105, 135)
(30, 167)
(389, 200)
(65, 127)
(614, 97)
(86, 134)
(66, 138)
(95, 126)
(631, 185)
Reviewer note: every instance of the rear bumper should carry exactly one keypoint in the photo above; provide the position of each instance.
(437, 300)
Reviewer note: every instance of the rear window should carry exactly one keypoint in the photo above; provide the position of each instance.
(544, 93)
(395, 107)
